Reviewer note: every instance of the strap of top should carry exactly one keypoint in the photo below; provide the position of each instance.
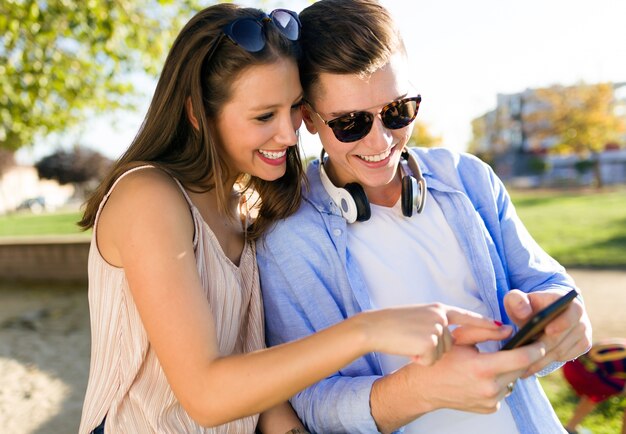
(134, 169)
(108, 193)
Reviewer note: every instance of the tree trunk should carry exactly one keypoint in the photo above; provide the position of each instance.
(597, 173)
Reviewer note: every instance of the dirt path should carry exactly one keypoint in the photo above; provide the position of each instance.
(44, 348)
(44, 359)
(605, 297)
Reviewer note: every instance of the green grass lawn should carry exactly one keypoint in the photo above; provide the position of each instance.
(26, 224)
(578, 228)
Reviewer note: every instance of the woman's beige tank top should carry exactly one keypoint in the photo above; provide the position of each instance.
(126, 383)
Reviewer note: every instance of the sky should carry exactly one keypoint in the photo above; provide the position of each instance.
(462, 54)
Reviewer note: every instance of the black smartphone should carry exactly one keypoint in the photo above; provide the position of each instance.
(533, 329)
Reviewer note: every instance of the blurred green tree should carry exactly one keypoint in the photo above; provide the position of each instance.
(422, 136)
(581, 118)
(63, 59)
(479, 134)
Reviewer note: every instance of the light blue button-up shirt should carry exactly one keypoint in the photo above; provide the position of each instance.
(310, 281)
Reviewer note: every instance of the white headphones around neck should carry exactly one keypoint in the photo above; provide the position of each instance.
(352, 200)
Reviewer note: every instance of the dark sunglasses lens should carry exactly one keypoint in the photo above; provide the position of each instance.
(399, 114)
(353, 127)
(287, 23)
(247, 33)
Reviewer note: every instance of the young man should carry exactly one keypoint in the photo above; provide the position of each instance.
(369, 235)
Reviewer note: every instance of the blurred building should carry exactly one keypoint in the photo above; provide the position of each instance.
(21, 188)
(517, 140)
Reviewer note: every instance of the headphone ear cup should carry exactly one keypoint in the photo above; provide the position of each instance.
(420, 201)
(414, 188)
(363, 209)
(407, 195)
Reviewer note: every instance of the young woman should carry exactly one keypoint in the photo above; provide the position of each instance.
(176, 315)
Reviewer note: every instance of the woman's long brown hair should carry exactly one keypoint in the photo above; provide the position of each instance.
(167, 139)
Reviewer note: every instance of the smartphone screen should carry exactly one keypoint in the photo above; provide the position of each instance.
(533, 329)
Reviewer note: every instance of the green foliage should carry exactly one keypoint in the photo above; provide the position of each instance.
(479, 135)
(578, 228)
(583, 166)
(61, 58)
(538, 165)
(422, 137)
(581, 117)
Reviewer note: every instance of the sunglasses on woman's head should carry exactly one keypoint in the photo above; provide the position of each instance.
(356, 125)
(249, 33)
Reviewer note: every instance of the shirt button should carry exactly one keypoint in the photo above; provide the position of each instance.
(336, 232)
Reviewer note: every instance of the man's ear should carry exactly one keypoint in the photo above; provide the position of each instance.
(190, 115)
(307, 117)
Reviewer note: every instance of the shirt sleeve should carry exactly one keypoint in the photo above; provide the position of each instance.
(305, 290)
(528, 267)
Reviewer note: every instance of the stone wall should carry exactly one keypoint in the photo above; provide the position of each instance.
(49, 259)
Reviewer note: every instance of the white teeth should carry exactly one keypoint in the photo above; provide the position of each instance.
(272, 155)
(375, 158)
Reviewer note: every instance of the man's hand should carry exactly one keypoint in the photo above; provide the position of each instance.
(463, 379)
(565, 338)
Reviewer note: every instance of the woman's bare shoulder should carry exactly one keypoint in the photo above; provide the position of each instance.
(147, 188)
(143, 203)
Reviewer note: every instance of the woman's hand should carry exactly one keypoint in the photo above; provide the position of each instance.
(421, 331)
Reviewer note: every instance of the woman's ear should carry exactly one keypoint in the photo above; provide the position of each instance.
(190, 115)
(307, 117)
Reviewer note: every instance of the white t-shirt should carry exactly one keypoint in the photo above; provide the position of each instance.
(409, 260)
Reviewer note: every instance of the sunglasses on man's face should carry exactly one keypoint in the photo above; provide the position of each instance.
(249, 33)
(356, 125)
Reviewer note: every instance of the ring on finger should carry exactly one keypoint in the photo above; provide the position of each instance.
(509, 388)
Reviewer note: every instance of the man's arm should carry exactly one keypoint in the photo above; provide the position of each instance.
(538, 277)
(541, 280)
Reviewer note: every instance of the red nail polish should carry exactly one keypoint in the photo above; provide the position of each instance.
(498, 323)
